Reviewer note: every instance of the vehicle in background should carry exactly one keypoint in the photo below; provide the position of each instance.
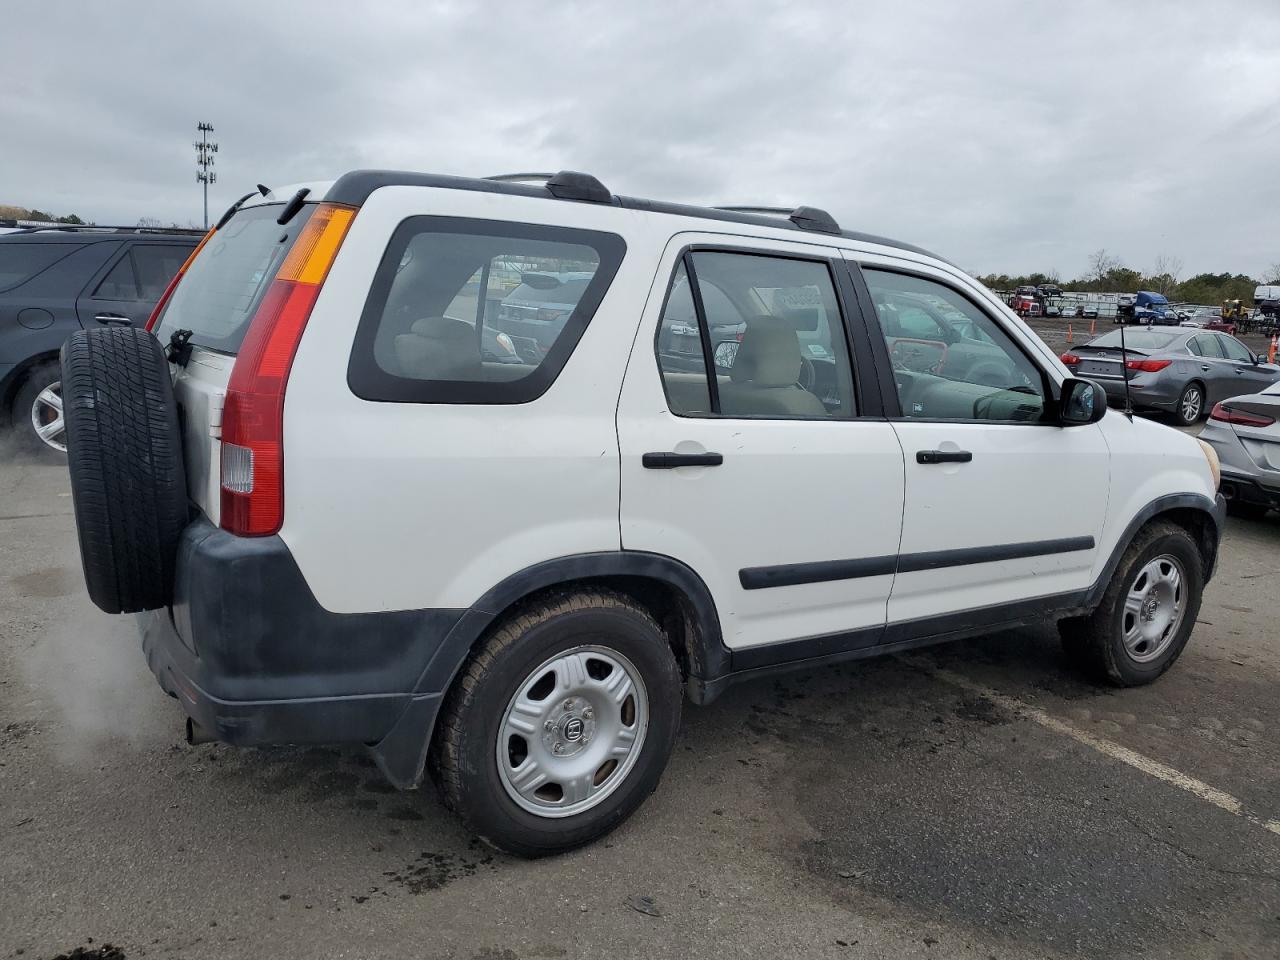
(59, 280)
(1245, 431)
(1086, 311)
(1266, 308)
(1182, 371)
(534, 313)
(1154, 308)
(1124, 309)
(1025, 304)
(1052, 310)
(1049, 291)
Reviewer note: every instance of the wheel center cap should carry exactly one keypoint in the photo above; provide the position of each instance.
(573, 730)
(1149, 608)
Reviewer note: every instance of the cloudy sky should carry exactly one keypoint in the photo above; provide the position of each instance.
(1008, 136)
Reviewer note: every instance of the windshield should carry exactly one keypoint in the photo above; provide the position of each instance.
(217, 295)
(1138, 339)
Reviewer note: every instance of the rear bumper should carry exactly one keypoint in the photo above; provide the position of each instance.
(1163, 396)
(254, 659)
(1247, 489)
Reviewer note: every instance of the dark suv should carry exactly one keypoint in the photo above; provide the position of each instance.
(54, 282)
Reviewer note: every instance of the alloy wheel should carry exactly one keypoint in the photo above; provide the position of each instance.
(46, 417)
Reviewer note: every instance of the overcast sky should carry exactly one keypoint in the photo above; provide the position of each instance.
(1007, 136)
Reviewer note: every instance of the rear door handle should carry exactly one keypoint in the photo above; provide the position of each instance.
(669, 461)
(113, 318)
(1204, 366)
(943, 456)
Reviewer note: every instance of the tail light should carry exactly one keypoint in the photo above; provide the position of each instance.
(173, 284)
(1069, 359)
(1147, 366)
(547, 315)
(1240, 418)
(253, 414)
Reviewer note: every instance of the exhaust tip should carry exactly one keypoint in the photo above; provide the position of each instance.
(197, 734)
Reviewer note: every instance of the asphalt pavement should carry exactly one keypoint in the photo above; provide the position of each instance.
(977, 800)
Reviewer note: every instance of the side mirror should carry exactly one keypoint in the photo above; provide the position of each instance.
(725, 353)
(1081, 402)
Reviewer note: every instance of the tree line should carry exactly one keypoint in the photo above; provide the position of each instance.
(1108, 274)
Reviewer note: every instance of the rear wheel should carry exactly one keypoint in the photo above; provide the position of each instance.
(560, 725)
(1148, 611)
(1190, 404)
(37, 412)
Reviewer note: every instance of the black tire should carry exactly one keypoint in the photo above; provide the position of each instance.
(463, 756)
(37, 379)
(124, 453)
(1193, 387)
(1246, 510)
(1096, 642)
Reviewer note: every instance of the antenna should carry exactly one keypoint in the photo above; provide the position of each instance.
(1124, 371)
(205, 149)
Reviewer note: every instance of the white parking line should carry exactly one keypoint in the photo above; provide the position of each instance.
(1153, 768)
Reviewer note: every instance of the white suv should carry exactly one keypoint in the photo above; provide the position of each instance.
(490, 476)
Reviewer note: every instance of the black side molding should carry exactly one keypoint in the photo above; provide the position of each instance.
(936, 559)
(790, 574)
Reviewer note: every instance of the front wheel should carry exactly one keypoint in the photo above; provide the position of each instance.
(1190, 404)
(560, 725)
(1148, 611)
(37, 412)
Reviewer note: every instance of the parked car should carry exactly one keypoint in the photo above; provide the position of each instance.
(54, 282)
(1154, 309)
(1087, 311)
(1052, 310)
(361, 531)
(535, 312)
(1183, 371)
(1245, 432)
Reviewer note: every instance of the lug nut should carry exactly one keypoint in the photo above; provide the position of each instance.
(588, 713)
(558, 748)
(568, 704)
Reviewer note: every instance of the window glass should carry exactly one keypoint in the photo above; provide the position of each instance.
(19, 262)
(155, 265)
(1209, 346)
(492, 309)
(1234, 349)
(221, 289)
(951, 361)
(680, 355)
(777, 338)
(1140, 338)
(119, 283)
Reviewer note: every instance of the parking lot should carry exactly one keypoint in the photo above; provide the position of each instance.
(974, 800)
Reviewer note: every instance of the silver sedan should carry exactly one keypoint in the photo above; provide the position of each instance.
(1183, 371)
(1246, 433)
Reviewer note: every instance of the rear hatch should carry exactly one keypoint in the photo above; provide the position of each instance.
(215, 298)
(1256, 422)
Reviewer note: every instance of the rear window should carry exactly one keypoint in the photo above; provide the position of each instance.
(478, 311)
(1138, 339)
(19, 262)
(221, 289)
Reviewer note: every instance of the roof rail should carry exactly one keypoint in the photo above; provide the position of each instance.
(94, 228)
(805, 218)
(566, 185)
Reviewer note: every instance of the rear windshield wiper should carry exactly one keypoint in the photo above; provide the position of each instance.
(231, 210)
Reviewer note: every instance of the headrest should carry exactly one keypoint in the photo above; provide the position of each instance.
(769, 355)
(443, 328)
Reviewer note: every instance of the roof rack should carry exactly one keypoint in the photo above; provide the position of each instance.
(805, 218)
(94, 228)
(566, 185)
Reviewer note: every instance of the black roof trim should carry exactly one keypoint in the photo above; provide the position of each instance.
(355, 187)
(105, 231)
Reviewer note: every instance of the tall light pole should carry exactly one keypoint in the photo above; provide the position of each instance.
(205, 149)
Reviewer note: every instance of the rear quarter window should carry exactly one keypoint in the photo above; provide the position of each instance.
(19, 262)
(478, 311)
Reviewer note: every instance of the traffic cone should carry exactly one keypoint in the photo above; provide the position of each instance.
(1093, 328)
(1271, 353)
(1069, 337)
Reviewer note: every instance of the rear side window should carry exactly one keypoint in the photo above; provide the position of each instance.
(478, 311)
(19, 262)
(221, 289)
(142, 273)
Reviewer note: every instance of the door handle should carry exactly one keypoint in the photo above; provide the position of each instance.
(1204, 366)
(943, 456)
(669, 461)
(113, 318)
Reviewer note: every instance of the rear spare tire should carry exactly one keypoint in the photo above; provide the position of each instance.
(124, 452)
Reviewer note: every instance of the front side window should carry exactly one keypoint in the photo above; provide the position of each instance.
(775, 333)
(1234, 349)
(476, 311)
(951, 361)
